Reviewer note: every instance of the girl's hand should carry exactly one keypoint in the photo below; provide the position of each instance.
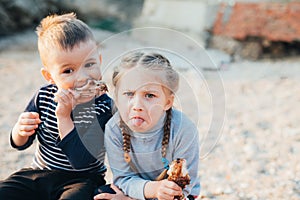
(118, 196)
(162, 190)
(168, 189)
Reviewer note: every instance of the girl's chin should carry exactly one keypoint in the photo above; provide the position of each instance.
(139, 129)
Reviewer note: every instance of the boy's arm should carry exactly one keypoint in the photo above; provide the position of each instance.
(24, 131)
(78, 155)
(65, 125)
(84, 147)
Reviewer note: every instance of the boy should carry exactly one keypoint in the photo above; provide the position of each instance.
(67, 117)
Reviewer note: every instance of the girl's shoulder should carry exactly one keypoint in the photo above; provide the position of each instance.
(183, 129)
(114, 121)
(180, 118)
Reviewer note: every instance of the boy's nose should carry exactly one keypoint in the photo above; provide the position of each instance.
(82, 76)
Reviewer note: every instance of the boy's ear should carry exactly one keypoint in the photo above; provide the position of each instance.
(47, 76)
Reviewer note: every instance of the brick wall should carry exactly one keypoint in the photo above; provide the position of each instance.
(271, 21)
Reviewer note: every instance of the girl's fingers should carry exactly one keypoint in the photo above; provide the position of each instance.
(172, 185)
(104, 196)
(170, 189)
(116, 189)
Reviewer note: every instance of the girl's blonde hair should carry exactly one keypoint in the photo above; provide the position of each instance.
(149, 61)
(61, 32)
(169, 78)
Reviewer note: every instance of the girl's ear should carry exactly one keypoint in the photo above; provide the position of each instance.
(169, 102)
(47, 76)
(100, 58)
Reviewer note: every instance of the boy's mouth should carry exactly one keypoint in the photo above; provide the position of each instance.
(90, 88)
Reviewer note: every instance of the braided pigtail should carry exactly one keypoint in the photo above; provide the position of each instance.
(167, 129)
(165, 143)
(126, 140)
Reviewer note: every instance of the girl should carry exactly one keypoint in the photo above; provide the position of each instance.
(146, 133)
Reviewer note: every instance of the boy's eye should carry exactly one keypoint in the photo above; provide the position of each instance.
(67, 71)
(89, 64)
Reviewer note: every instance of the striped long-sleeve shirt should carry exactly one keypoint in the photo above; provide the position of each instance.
(83, 148)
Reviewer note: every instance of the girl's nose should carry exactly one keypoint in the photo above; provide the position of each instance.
(137, 103)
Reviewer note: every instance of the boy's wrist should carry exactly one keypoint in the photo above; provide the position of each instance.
(17, 138)
(65, 126)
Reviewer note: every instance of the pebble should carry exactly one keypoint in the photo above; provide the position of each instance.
(257, 155)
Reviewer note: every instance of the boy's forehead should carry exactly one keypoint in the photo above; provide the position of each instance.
(79, 53)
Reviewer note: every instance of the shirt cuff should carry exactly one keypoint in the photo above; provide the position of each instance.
(67, 138)
(25, 146)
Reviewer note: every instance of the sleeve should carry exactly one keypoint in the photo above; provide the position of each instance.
(77, 154)
(31, 107)
(84, 147)
(107, 111)
(123, 176)
(187, 147)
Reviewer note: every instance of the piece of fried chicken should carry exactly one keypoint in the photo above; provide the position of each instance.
(179, 174)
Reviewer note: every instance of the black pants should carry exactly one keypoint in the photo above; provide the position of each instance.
(36, 184)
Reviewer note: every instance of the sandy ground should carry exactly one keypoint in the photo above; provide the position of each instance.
(257, 150)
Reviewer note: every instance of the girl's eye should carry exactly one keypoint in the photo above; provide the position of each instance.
(149, 96)
(128, 94)
(67, 71)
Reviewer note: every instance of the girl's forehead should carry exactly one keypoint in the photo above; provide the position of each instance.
(138, 77)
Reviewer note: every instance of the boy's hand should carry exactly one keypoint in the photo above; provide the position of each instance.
(25, 127)
(118, 196)
(65, 102)
(27, 123)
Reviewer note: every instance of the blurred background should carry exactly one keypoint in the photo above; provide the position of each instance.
(249, 77)
(232, 26)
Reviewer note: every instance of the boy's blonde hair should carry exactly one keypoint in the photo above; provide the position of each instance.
(61, 32)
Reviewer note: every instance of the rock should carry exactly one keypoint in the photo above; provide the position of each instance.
(18, 15)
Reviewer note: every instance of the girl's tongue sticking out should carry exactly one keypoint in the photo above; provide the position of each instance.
(137, 121)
